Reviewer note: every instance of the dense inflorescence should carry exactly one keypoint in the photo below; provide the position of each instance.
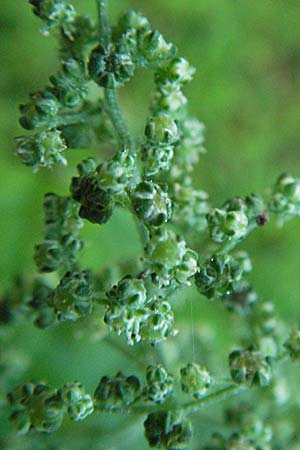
(151, 176)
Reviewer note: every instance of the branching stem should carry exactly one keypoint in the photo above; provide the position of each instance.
(111, 96)
(188, 408)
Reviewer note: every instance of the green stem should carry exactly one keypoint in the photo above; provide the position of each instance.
(222, 394)
(70, 119)
(188, 408)
(104, 25)
(117, 119)
(111, 95)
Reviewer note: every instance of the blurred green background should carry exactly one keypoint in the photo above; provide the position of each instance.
(247, 92)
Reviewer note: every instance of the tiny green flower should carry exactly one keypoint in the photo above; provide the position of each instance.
(79, 404)
(160, 384)
(41, 150)
(151, 204)
(195, 380)
(108, 68)
(161, 129)
(250, 367)
(285, 199)
(116, 393)
(292, 345)
(73, 297)
(168, 430)
(38, 407)
(218, 276)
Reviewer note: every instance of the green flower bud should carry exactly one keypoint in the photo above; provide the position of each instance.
(160, 384)
(169, 261)
(292, 345)
(61, 245)
(226, 225)
(41, 150)
(133, 19)
(233, 220)
(126, 308)
(42, 108)
(156, 158)
(155, 50)
(61, 216)
(170, 99)
(254, 206)
(48, 255)
(110, 68)
(179, 71)
(218, 276)
(285, 199)
(129, 291)
(86, 167)
(70, 83)
(96, 204)
(52, 254)
(39, 303)
(79, 403)
(190, 207)
(116, 393)
(131, 26)
(77, 43)
(159, 323)
(151, 204)
(38, 408)
(55, 13)
(250, 367)
(117, 174)
(168, 430)
(161, 129)
(195, 380)
(189, 149)
(73, 297)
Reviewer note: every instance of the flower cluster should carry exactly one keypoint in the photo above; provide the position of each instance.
(116, 393)
(151, 176)
(285, 199)
(160, 384)
(129, 310)
(218, 276)
(234, 219)
(38, 407)
(73, 297)
(250, 367)
(195, 380)
(59, 250)
(168, 429)
(292, 345)
(169, 262)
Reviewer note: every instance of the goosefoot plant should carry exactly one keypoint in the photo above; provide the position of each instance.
(151, 176)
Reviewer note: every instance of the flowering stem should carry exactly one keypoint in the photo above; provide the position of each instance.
(117, 118)
(188, 408)
(111, 95)
(222, 394)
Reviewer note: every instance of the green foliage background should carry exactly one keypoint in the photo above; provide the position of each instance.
(247, 92)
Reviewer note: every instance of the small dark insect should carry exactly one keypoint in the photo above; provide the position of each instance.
(262, 219)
